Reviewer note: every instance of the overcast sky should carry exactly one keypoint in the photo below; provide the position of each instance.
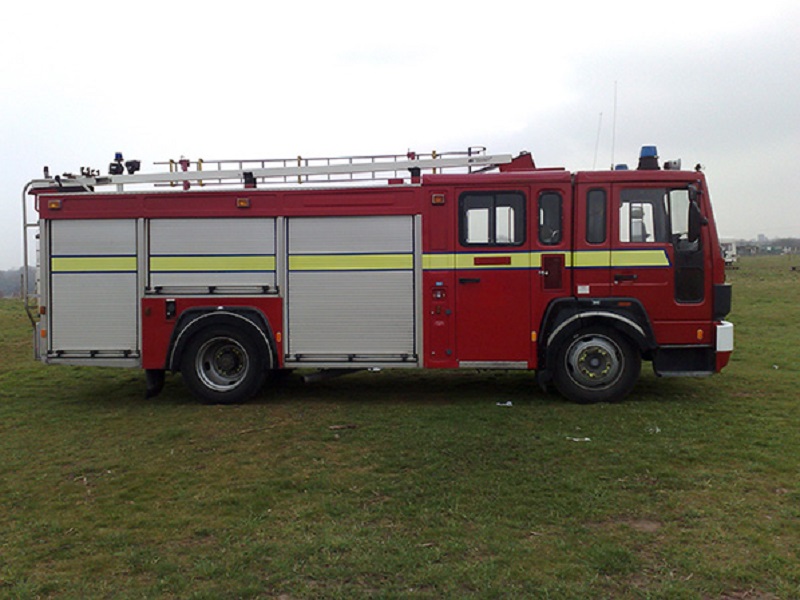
(711, 82)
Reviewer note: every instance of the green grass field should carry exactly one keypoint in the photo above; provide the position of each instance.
(403, 484)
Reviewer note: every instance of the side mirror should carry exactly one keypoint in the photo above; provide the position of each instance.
(696, 218)
(694, 193)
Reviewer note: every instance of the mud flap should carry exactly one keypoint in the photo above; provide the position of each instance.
(154, 379)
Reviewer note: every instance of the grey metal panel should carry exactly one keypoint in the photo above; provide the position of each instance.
(492, 364)
(282, 272)
(44, 289)
(342, 363)
(93, 237)
(143, 251)
(94, 311)
(95, 361)
(353, 312)
(212, 236)
(204, 279)
(331, 235)
(335, 313)
(90, 309)
(418, 318)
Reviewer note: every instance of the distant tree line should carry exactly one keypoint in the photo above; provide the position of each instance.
(11, 282)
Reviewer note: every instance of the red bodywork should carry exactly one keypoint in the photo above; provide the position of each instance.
(158, 328)
(491, 306)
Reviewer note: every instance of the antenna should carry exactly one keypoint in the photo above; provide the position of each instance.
(597, 141)
(614, 126)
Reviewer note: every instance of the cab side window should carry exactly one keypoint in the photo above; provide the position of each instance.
(550, 218)
(596, 217)
(492, 218)
(643, 216)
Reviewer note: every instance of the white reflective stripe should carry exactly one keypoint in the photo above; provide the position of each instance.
(725, 337)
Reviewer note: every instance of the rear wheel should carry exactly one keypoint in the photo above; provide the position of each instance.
(596, 365)
(224, 365)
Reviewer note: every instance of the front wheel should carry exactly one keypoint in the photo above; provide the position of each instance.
(224, 365)
(596, 365)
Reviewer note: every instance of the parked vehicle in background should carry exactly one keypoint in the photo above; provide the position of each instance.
(729, 252)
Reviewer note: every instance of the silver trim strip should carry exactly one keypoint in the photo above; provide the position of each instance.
(594, 313)
(492, 364)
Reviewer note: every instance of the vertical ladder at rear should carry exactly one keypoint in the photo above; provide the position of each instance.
(30, 298)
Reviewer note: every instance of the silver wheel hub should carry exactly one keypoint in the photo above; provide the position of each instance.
(594, 362)
(222, 364)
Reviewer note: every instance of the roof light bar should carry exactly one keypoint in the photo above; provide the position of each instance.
(648, 158)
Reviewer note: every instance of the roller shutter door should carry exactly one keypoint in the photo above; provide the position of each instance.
(351, 288)
(94, 306)
(218, 253)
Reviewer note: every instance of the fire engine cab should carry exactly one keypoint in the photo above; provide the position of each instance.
(227, 271)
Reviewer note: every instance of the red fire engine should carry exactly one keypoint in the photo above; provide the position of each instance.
(226, 271)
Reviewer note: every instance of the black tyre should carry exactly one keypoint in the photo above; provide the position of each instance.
(596, 365)
(224, 364)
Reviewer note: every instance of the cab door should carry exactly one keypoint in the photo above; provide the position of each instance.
(591, 256)
(493, 279)
(641, 264)
(551, 240)
(657, 258)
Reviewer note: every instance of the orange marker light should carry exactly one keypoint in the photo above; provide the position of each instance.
(699, 335)
(437, 199)
(54, 204)
(243, 203)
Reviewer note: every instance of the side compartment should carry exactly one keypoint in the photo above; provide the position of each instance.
(351, 296)
(206, 264)
(93, 291)
(212, 255)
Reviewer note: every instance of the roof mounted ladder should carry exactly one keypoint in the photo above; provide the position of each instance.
(343, 170)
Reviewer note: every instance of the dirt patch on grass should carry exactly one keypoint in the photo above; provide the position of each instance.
(642, 525)
(745, 595)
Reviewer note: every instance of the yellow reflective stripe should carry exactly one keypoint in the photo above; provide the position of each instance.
(533, 260)
(639, 258)
(211, 263)
(92, 264)
(592, 258)
(517, 260)
(536, 258)
(438, 261)
(463, 260)
(358, 262)
(350, 262)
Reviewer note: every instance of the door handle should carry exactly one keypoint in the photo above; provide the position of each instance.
(626, 277)
(469, 280)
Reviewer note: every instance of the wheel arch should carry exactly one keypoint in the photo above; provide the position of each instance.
(566, 317)
(194, 320)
